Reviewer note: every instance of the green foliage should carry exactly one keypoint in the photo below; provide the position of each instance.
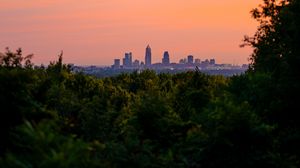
(272, 85)
(276, 52)
(15, 59)
(17, 101)
(236, 137)
(44, 146)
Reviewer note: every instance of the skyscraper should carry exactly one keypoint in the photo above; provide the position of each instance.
(127, 60)
(166, 58)
(197, 61)
(190, 59)
(117, 64)
(212, 61)
(148, 56)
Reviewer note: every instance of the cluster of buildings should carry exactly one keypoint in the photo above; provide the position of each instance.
(186, 63)
(128, 65)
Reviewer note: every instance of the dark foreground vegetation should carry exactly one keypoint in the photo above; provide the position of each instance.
(51, 117)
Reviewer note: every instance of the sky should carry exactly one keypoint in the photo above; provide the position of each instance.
(95, 32)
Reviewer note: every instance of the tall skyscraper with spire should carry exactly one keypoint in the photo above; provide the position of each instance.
(148, 56)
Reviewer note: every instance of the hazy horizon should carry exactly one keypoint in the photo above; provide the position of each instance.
(95, 32)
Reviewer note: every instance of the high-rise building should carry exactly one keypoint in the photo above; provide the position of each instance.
(182, 61)
(124, 62)
(190, 59)
(127, 60)
(212, 61)
(197, 61)
(148, 56)
(136, 63)
(116, 64)
(130, 58)
(205, 63)
(166, 58)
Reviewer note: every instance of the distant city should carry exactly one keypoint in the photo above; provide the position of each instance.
(185, 63)
(165, 66)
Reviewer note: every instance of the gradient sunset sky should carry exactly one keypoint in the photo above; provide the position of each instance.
(94, 32)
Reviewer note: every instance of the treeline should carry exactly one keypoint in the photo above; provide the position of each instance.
(52, 117)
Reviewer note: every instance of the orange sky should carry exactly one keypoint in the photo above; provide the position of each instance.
(94, 32)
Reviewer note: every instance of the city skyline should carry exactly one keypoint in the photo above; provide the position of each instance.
(94, 32)
(129, 61)
(187, 63)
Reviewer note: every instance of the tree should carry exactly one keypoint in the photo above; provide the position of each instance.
(50, 149)
(15, 59)
(277, 40)
(275, 67)
(277, 54)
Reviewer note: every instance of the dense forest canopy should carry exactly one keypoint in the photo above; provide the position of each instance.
(53, 117)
